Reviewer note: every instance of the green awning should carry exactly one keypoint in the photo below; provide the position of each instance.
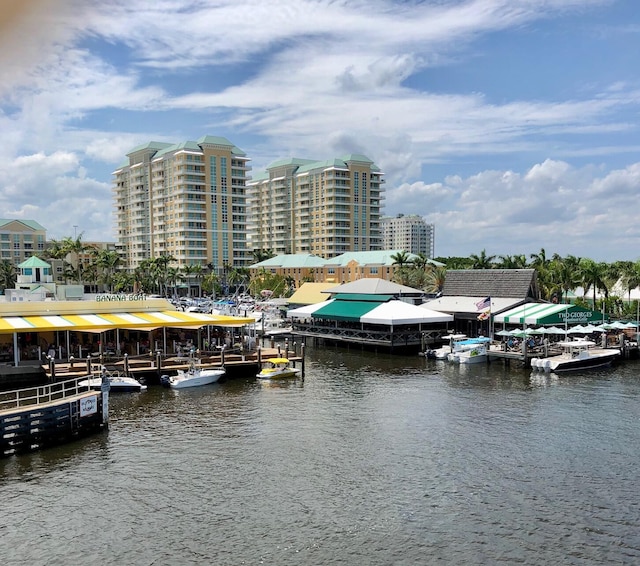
(549, 313)
(345, 310)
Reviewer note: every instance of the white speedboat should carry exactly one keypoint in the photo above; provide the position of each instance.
(192, 377)
(443, 352)
(470, 351)
(117, 382)
(278, 368)
(576, 355)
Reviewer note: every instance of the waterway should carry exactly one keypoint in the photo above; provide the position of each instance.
(370, 460)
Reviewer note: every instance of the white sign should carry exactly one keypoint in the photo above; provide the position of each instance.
(89, 406)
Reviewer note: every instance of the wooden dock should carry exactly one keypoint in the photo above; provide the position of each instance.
(149, 369)
(38, 417)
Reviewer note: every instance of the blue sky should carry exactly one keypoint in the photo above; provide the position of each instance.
(512, 125)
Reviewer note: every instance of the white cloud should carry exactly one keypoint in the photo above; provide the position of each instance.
(310, 79)
(553, 205)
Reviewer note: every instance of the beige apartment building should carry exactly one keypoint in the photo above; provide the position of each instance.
(325, 208)
(21, 239)
(186, 200)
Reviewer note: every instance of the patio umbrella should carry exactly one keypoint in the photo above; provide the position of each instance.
(517, 333)
(530, 331)
(590, 328)
(554, 330)
(578, 329)
(503, 333)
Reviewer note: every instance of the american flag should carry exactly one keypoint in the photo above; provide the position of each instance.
(483, 304)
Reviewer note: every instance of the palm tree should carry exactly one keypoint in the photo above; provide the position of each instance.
(262, 254)
(107, 261)
(188, 270)
(8, 274)
(436, 276)
(593, 276)
(632, 277)
(420, 261)
(513, 261)
(482, 261)
(401, 259)
(565, 274)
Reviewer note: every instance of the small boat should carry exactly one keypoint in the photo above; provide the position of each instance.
(278, 368)
(118, 383)
(576, 355)
(443, 352)
(470, 351)
(194, 376)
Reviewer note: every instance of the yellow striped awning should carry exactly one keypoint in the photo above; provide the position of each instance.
(108, 321)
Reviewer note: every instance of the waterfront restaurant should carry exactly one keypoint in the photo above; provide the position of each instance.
(31, 329)
(371, 313)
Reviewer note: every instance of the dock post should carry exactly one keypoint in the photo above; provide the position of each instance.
(302, 356)
(286, 348)
(222, 355)
(105, 386)
(52, 368)
(158, 360)
(259, 356)
(126, 364)
(88, 364)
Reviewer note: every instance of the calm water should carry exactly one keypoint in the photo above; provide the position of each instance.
(371, 460)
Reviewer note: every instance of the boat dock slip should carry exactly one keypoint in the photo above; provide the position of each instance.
(152, 367)
(37, 417)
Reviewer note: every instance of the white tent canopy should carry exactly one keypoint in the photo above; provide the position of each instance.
(307, 310)
(399, 312)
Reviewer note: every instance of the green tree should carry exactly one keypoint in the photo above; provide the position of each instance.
(482, 261)
(8, 274)
(593, 277)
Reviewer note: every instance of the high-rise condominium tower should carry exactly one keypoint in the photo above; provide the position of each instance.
(184, 200)
(321, 207)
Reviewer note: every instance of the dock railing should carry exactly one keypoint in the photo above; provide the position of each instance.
(42, 394)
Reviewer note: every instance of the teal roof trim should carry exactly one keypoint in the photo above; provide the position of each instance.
(356, 157)
(190, 145)
(349, 311)
(289, 161)
(33, 261)
(30, 223)
(149, 145)
(291, 261)
(219, 140)
(375, 257)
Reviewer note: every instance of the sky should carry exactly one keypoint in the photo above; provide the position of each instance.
(511, 125)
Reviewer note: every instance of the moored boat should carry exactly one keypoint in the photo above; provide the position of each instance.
(118, 383)
(576, 355)
(194, 376)
(278, 368)
(470, 351)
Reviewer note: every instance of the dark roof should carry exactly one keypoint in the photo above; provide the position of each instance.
(506, 283)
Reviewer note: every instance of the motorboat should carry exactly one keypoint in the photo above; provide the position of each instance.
(118, 382)
(278, 368)
(576, 355)
(470, 351)
(476, 353)
(194, 376)
(443, 352)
